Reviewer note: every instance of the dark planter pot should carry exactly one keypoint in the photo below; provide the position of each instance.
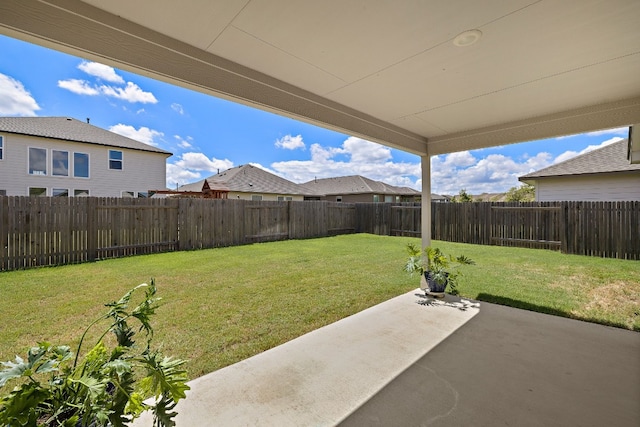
(435, 288)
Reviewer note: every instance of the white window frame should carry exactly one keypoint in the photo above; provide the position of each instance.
(256, 197)
(1, 148)
(339, 199)
(29, 162)
(53, 173)
(121, 160)
(76, 190)
(58, 190)
(40, 195)
(88, 166)
(127, 194)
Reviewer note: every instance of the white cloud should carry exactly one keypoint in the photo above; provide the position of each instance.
(184, 142)
(15, 100)
(460, 159)
(101, 71)
(130, 93)
(200, 162)
(494, 173)
(289, 142)
(570, 154)
(144, 134)
(177, 176)
(177, 108)
(80, 87)
(354, 157)
(188, 169)
(363, 151)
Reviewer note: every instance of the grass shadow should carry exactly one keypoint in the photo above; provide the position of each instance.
(510, 302)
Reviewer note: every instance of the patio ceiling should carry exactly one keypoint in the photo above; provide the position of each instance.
(387, 71)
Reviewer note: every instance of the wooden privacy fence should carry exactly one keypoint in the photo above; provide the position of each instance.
(37, 231)
(603, 229)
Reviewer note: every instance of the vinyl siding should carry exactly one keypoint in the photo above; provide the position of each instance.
(610, 188)
(142, 171)
(265, 196)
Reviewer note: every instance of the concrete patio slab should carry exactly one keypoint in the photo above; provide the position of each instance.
(321, 377)
(412, 361)
(510, 367)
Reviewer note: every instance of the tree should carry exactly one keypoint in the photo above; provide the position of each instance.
(462, 196)
(524, 193)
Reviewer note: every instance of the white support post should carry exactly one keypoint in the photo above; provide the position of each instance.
(426, 200)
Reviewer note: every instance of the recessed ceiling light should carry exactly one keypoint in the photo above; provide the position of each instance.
(467, 38)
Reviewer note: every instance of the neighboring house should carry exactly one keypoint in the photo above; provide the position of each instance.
(249, 183)
(605, 174)
(60, 156)
(356, 188)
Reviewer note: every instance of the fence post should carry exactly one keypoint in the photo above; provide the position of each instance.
(92, 229)
(4, 234)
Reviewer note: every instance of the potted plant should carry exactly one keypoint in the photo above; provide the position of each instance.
(438, 269)
(107, 386)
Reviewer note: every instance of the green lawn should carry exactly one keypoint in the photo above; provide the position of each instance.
(224, 305)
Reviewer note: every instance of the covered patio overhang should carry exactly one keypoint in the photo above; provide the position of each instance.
(428, 77)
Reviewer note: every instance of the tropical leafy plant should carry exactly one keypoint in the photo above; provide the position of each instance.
(436, 266)
(107, 387)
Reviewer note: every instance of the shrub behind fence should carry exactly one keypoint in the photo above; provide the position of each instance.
(37, 231)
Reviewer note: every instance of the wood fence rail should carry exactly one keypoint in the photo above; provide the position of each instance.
(38, 231)
(602, 229)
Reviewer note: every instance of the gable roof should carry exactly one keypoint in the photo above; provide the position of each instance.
(69, 129)
(249, 179)
(355, 184)
(611, 158)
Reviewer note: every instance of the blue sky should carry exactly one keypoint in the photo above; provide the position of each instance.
(207, 134)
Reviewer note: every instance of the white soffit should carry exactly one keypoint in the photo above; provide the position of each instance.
(386, 71)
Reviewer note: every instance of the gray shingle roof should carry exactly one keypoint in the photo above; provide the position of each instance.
(611, 158)
(69, 129)
(355, 184)
(250, 179)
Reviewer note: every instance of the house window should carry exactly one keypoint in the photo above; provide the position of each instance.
(128, 194)
(388, 199)
(60, 166)
(81, 193)
(339, 199)
(143, 195)
(37, 161)
(37, 191)
(80, 165)
(376, 198)
(115, 159)
(60, 192)
(256, 198)
(3, 192)
(1, 148)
